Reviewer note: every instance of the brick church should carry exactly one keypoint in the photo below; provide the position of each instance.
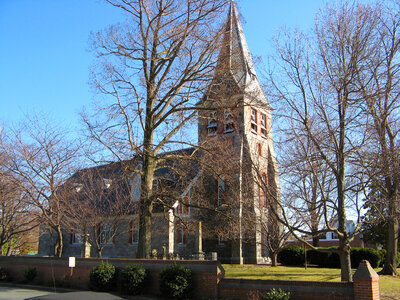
(222, 206)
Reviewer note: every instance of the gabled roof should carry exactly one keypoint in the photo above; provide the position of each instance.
(235, 58)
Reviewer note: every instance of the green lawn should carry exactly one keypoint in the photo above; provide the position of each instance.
(388, 285)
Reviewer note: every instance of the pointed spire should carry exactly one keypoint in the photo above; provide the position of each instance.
(235, 56)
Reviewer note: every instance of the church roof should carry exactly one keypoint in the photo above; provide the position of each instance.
(235, 57)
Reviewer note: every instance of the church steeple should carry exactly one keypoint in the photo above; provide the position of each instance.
(235, 57)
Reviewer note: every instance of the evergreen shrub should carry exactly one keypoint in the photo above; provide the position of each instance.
(382, 255)
(176, 282)
(102, 277)
(359, 254)
(30, 273)
(291, 256)
(4, 276)
(132, 279)
(278, 294)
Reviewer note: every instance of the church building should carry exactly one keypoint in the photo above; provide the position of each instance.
(236, 191)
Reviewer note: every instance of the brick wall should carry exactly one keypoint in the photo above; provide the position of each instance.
(300, 290)
(206, 274)
(208, 279)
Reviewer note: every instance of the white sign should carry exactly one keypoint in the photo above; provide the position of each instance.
(71, 261)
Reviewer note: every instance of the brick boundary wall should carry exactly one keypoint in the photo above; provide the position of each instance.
(230, 288)
(208, 279)
(206, 274)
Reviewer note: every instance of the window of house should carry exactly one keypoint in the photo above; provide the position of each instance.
(180, 234)
(263, 125)
(212, 124)
(107, 183)
(264, 187)
(106, 234)
(254, 127)
(76, 237)
(221, 240)
(220, 192)
(259, 149)
(228, 121)
(262, 191)
(136, 181)
(78, 187)
(183, 207)
(133, 232)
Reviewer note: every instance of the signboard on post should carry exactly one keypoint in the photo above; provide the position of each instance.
(71, 262)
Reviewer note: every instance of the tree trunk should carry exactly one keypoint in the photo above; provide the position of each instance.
(345, 262)
(146, 202)
(390, 266)
(59, 244)
(274, 259)
(315, 241)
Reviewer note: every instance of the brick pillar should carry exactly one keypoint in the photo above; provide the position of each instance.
(366, 282)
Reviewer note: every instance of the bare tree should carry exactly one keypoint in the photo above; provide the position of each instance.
(379, 81)
(319, 97)
(309, 186)
(154, 70)
(15, 214)
(98, 201)
(41, 159)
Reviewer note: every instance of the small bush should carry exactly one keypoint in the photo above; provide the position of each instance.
(359, 254)
(102, 277)
(291, 256)
(176, 282)
(30, 273)
(132, 279)
(276, 295)
(4, 276)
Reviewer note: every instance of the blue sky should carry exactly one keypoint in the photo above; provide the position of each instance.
(44, 56)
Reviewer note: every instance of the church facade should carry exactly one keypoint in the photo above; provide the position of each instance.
(236, 192)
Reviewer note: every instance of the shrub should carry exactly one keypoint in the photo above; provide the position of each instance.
(276, 295)
(359, 254)
(4, 276)
(176, 282)
(382, 255)
(291, 256)
(132, 279)
(30, 273)
(102, 277)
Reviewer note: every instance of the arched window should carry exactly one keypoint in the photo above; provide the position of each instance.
(133, 232)
(212, 124)
(228, 121)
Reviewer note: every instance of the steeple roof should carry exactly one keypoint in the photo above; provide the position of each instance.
(235, 57)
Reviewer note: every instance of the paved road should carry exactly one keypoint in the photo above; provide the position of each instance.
(20, 292)
(16, 293)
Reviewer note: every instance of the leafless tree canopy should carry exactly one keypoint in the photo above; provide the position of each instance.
(321, 105)
(41, 158)
(152, 70)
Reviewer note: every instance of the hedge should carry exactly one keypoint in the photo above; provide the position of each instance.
(332, 260)
(291, 256)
